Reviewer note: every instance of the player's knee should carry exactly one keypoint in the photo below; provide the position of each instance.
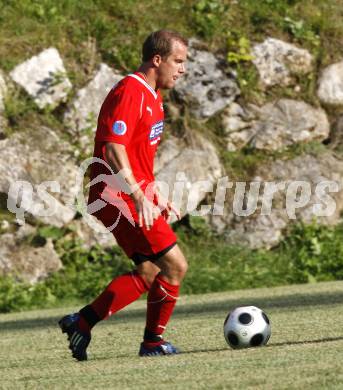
(181, 267)
(148, 272)
(173, 265)
(177, 268)
(150, 277)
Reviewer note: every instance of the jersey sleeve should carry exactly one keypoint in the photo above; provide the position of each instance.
(119, 116)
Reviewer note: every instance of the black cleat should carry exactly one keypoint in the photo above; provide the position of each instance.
(163, 349)
(78, 341)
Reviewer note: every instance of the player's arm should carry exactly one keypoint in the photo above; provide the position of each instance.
(118, 160)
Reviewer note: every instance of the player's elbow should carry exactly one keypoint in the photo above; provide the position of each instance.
(114, 149)
(114, 154)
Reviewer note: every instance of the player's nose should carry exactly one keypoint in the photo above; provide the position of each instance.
(182, 68)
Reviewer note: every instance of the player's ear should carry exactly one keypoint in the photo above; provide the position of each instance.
(156, 60)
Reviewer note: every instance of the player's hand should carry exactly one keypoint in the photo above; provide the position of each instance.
(146, 210)
(166, 207)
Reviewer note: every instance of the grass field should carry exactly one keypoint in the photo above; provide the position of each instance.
(305, 350)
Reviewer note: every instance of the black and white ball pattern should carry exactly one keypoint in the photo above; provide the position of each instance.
(246, 327)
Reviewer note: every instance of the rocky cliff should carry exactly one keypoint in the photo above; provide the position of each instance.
(297, 175)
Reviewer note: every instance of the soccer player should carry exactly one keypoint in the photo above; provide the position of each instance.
(130, 126)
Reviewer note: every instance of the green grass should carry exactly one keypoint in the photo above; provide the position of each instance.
(116, 29)
(304, 352)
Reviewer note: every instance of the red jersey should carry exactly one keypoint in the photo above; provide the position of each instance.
(131, 115)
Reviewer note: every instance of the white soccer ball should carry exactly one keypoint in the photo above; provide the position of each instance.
(246, 327)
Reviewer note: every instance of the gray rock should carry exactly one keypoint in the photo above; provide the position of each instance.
(36, 157)
(276, 61)
(236, 118)
(336, 134)
(169, 149)
(4, 226)
(24, 232)
(90, 236)
(29, 264)
(85, 108)
(205, 87)
(181, 167)
(257, 230)
(233, 124)
(237, 126)
(218, 223)
(44, 78)
(288, 122)
(276, 126)
(264, 231)
(237, 140)
(330, 89)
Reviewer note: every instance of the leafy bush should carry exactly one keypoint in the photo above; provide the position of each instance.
(310, 253)
(15, 296)
(217, 266)
(315, 253)
(85, 274)
(206, 16)
(301, 31)
(238, 49)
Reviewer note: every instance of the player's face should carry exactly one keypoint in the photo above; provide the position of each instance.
(172, 67)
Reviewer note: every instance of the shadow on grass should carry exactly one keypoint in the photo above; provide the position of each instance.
(287, 302)
(316, 341)
(272, 345)
(228, 349)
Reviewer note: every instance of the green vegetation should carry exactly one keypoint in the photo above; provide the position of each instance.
(85, 274)
(309, 253)
(95, 30)
(239, 49)
(304, 352)
(207, 16)
(91, 31)
(242, 165)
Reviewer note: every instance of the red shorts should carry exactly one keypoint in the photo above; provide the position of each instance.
(138, 243)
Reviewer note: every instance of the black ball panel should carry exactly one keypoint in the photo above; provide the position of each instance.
(256, 340)
(227, 319)
(245, 318)
(233, 339)
(264, 315)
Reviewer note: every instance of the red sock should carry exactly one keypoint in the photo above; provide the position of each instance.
(161, 301)
(118, 294)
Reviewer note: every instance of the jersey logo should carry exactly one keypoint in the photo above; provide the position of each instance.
(155, 132)
(149, 109)
(119, 127)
